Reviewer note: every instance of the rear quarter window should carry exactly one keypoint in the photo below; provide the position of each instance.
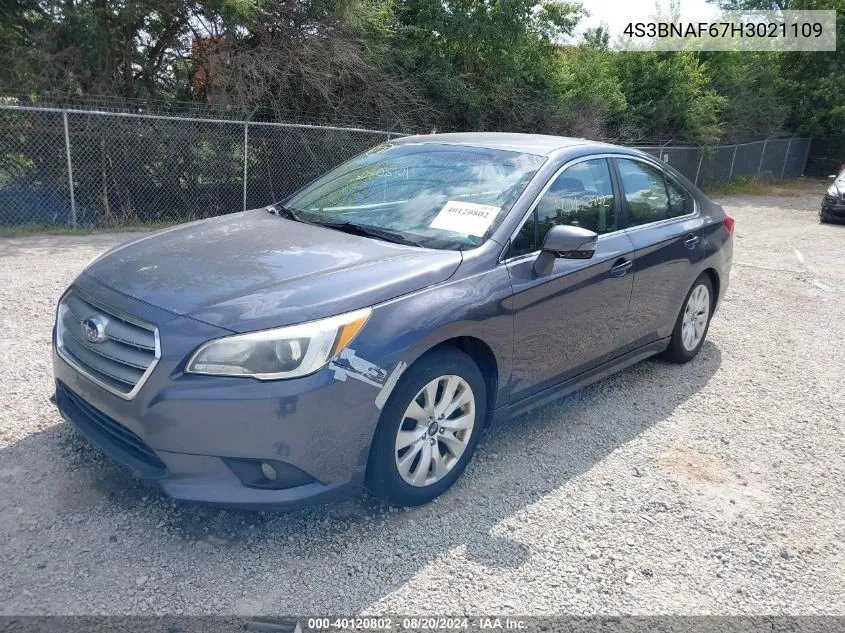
(652, 195)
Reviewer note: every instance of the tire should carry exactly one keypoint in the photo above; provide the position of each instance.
(823, 218)
(681, 349)
(447, 368)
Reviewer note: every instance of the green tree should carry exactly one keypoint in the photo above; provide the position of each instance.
(815, 92)
(450, 64)
(94, 46)
(669, 96)
(588, 89)
(485, 64)
(753, 90)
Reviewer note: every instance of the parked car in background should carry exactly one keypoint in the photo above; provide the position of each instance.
(833, 203)
(365, 330)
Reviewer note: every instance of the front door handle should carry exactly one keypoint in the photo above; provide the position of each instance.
(691, 241)
(621, 267)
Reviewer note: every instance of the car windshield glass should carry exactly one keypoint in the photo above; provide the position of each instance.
(434, 195)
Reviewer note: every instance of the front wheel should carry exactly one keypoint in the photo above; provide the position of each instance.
(428, 429)
(693, 322)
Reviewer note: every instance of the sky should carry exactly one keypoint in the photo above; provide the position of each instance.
(618, 13)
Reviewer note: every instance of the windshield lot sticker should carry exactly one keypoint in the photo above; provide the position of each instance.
(348, 364)
(466, 218)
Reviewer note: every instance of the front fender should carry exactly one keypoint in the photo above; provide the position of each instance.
(401, 330)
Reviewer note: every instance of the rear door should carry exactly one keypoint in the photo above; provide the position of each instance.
(660, 219)
(568, 321)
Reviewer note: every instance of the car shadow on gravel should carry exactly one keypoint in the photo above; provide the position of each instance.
(519, 463)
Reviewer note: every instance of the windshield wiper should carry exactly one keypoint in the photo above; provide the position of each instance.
(284, 212)
(370, 231)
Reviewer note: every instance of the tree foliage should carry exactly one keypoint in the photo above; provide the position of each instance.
(804, 92)
(445, 64)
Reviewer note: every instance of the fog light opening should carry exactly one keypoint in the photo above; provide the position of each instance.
(268, 474)
(268, 471)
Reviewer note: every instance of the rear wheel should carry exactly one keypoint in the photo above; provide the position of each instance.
(428, 429)
(693, 322)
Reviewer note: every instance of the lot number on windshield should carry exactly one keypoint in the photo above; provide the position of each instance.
(467, 218)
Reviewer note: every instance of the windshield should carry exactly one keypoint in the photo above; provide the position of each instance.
(438, 196)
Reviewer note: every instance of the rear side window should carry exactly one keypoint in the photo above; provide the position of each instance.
(680, 200)
(650, 195)
(581, 195)
(645, 192)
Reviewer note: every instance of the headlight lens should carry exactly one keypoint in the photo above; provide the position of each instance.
(286, 352)
(832, 191)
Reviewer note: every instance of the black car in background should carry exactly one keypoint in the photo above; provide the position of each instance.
(833, 204)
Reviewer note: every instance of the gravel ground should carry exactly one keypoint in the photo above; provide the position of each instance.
(711, 488)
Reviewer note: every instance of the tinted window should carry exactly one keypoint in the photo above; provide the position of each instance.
(680, 201)
(582, 195)
(447, 196)
(645, 192)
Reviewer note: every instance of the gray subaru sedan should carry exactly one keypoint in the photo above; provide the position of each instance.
(364, 331)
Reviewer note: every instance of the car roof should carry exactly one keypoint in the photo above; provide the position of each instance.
(538, 144)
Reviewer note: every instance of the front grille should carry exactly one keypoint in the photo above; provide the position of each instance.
(114, 438)
(114, 349)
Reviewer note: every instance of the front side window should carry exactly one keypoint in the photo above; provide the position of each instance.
(581, 195)
(437, 195)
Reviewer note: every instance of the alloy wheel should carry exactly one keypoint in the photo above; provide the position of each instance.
(435, 430)
(696, 314)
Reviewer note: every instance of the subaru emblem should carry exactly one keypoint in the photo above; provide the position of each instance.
(94, 329)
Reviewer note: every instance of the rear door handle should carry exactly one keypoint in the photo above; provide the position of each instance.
(621, 267)
(691, 241)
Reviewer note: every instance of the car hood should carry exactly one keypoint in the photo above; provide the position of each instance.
(254, 270)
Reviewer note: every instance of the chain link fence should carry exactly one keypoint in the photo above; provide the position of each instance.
(104, 169)
(770, 160)
(94, 169)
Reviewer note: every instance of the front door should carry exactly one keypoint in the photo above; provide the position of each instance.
(569, 321)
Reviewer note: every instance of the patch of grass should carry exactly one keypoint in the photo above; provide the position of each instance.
(37, 229)
(22, 230)
(752, 187)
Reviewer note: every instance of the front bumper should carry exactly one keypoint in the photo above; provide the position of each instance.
(833, 209)
(203, 438)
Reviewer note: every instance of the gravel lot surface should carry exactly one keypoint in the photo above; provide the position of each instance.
(712, 488)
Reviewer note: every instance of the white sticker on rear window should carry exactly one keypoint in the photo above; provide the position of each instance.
(466, 218)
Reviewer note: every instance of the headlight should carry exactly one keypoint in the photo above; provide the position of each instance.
(285, 352)
(832, 191)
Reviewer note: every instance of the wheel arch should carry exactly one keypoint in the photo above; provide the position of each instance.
(379, 477)
(484, 357)
(715, 281)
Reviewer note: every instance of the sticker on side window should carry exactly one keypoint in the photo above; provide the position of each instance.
(467, 218)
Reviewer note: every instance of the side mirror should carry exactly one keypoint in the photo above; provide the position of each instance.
(832, 177)
(570, 242)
